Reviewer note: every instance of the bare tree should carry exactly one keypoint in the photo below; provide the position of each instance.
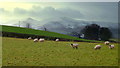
(45, 29)
(19, 24)
(28, 25)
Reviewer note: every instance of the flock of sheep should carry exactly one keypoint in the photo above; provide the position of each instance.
(106, 43)
(40, 40)
(75, 45)
(97, 46)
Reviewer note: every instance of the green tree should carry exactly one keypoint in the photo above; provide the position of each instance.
(91, 32)
(105, 33)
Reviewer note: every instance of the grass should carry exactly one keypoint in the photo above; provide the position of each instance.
(0, 51)
(114, 39)
(40, 33)
(23, 52)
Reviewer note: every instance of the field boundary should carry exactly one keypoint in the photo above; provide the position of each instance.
(25, 36)
(20, 35)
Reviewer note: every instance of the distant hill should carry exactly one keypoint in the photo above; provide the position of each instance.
(65, 25)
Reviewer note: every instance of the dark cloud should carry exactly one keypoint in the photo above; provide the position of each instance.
(102, 11)
(49, 12)
(107, 11)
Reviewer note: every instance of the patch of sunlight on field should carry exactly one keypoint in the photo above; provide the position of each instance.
(24, 52)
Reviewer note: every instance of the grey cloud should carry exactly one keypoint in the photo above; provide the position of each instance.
(71, 13)
(2, 11)
(81, 10)
(20, 11)
(103, 11)
(49, 12)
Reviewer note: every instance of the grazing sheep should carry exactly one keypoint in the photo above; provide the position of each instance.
(74, 45)
(41, 40)
(111, 46)
(106, 42)
(57, 40)
(29, 38)
(97, 47)
(35, 40)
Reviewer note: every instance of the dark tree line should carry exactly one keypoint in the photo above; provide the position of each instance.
(105, 33)
(95, 32)
(91, 32)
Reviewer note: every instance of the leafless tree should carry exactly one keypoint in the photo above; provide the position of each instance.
(45, 29)
(28, 25)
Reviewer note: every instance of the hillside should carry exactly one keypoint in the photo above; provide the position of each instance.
(40, 33)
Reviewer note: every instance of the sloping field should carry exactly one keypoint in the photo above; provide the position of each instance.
(40, 33)
(23, 52)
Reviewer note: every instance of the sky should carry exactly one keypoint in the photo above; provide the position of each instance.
(12, 12)
(59, 0)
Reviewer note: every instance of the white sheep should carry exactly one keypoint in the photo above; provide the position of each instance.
(111, 46)
(106, 42)
(41, 40)
(57, 40)
(35, 40)
(74, 45)
(97, 47)
(29, 38)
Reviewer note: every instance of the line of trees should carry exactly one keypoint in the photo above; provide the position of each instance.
(95, 32)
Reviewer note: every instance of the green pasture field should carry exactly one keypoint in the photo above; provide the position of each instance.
(0, 51)
(24, 52)
(40, 33)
